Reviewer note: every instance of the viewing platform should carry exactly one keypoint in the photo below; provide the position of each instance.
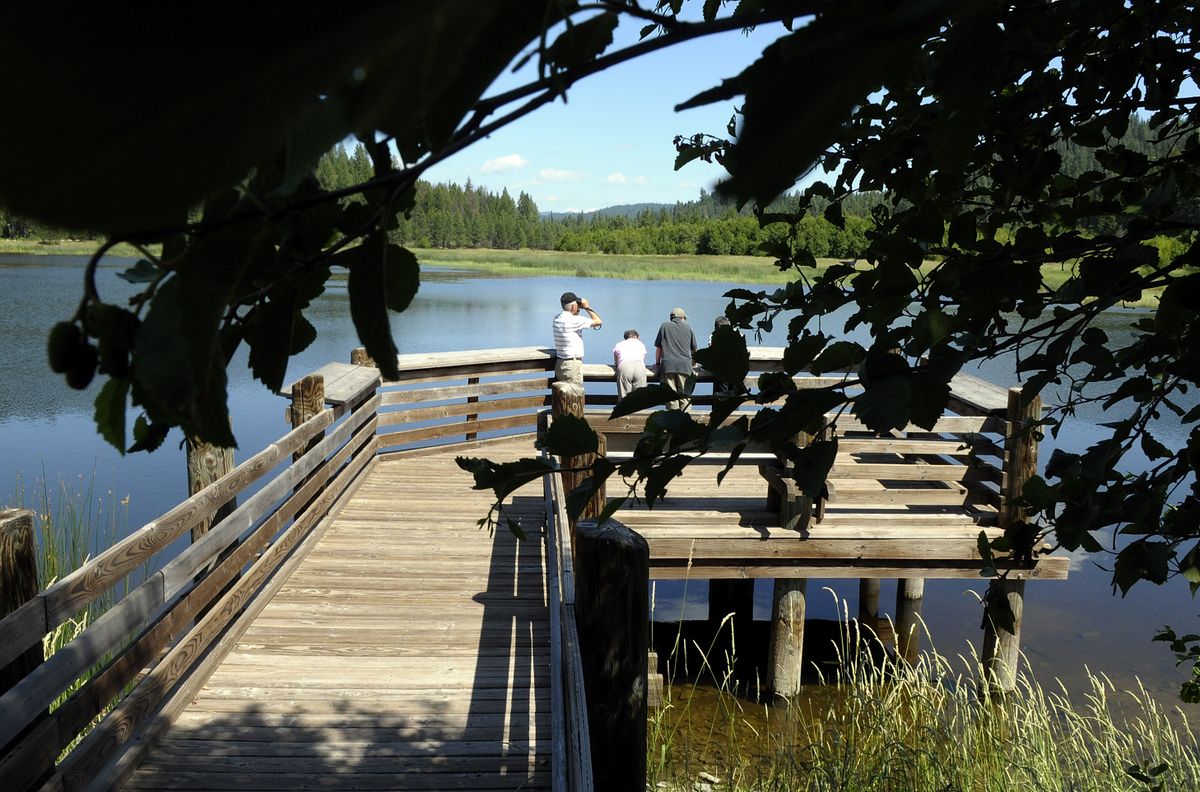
(340, 620)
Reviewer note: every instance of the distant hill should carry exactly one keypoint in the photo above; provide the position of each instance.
(621, 210)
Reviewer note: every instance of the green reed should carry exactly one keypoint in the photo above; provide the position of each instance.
(887, 725)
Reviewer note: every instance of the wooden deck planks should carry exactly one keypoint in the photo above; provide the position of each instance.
(410, 650)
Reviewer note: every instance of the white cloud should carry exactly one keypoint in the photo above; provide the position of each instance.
(559, 175)
(507, 162)
(551, 197)
(616, 178)
(641, 180)
(688, 184)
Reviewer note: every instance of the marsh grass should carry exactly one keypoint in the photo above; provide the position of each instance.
(71, 521)
(888, 725)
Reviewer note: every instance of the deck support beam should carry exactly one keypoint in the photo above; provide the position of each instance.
(786, 657)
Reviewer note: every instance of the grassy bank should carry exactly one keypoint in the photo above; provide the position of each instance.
(84, 247)
(898, 728)
(525, 263)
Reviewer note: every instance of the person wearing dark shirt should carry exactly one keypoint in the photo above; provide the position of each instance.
(674, 352)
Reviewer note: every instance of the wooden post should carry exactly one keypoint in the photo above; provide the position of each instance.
(910, 594)
(612, 578)
(205, 464)
(787, 636)
(472, 400)
(868, 602)
(359, 357)
(567, 398)
(1002, 648)
(18, 585)
(308, 399)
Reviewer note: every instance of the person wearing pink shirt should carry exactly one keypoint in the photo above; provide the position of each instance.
(629, 357)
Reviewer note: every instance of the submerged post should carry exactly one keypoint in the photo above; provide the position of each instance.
(1001, 647)
(786, 657)
(612, 578)
(910, 594)
(868, 602)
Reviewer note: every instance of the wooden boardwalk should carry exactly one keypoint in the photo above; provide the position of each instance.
(410, 650)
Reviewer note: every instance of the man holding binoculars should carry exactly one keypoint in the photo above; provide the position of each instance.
(568, 337)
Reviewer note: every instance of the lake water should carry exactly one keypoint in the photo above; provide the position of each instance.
(46, 430)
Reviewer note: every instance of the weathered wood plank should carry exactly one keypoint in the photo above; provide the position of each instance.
(394, 417)
(455, 429)
(106, 753)
(415, 396)
(1046, 568)
(77, 589)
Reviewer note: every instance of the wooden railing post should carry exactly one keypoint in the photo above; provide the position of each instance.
(18, 585)
(1001, 648)
(472, 400)
(612, 578)
(308, 399)
(205, 464)
(567, 398)
(359, 357)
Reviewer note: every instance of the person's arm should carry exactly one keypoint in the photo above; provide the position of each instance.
(596, 320)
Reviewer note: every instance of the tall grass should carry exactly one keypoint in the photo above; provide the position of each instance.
(888, 725)
(71, 521)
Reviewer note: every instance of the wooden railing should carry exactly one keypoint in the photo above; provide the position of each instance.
(144, 659)
(572, 763)
(141, 662)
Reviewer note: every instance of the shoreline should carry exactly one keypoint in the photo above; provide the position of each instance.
(752, 270)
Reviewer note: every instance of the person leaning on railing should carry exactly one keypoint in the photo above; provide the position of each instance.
(568, 337)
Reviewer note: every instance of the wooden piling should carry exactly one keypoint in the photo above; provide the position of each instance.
(18, 585)
(567, 398)
(1001, 647)
(868, 602)
(786, 657)
(910, 594)
(359, 357)
(612, 574)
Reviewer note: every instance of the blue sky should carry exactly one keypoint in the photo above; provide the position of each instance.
(611, 142)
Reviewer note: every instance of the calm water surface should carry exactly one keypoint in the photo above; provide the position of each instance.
(46, 430)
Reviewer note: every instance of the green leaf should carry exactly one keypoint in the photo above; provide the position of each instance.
(110, 412)
(661, 475)
(147, 436)
(580, 44)
(886, 404)
(569, 435)
(780, 140)
(141, 272)
(503, 478)
(1154, 449)
(645, 398)
(839, 356)
(403, 277)
(810, 465)
(368, 304)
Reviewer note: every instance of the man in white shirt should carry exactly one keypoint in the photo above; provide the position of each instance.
(568, 337)
(629, 357)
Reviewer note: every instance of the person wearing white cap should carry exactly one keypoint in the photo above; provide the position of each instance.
(568, 337)
(674, 353)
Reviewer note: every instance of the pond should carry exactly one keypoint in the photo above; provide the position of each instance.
(46, 432)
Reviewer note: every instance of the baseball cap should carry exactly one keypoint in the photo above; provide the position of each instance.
(678, 312)
(568, 298)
